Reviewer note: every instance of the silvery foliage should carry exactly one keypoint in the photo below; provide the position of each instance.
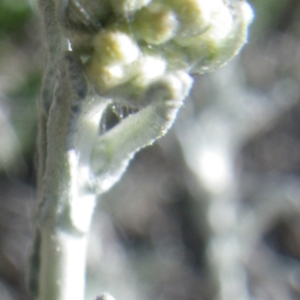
(121, 57)
(139, 54)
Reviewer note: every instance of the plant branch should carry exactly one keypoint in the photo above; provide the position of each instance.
(62, 237)
(113, 151)
(53, 48)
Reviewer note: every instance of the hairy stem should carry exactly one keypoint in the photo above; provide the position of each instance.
(62, 275)
(53, 47)
(63, 234)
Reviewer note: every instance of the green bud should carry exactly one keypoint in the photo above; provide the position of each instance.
(193, 36)
(193, 15)
(112, 61)
(155, 24)
(115, 47)
(222, 40)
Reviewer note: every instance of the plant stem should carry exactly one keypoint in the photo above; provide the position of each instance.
(62, 274)
(53, 48)
(66, 209)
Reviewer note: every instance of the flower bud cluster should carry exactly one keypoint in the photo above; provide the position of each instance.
(134, 43)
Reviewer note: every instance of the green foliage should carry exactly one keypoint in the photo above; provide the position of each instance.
(13, 15)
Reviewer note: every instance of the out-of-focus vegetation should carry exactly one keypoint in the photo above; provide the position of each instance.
(13, 16)
(211, 211)
(20, 77)
(20, 73)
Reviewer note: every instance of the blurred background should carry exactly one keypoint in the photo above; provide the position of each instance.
(211, 211)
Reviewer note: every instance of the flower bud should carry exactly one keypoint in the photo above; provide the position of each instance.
(112, 61)
(155, 24)
(193, 36)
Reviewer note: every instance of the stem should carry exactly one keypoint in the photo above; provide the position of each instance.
(53, 47)
(66, 209)
(62, 275)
